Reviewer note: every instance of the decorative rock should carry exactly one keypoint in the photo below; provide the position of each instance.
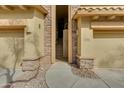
(34, 79)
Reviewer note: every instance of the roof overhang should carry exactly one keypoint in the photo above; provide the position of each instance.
(23, 8)
(41, 9)
(88, 11)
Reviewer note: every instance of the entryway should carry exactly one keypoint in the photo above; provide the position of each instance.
(62, 32)
(62, 15)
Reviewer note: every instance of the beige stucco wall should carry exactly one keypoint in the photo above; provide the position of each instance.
(11, 52)
(86, 39)
(34, 46)
(31, 42)
(107, 51)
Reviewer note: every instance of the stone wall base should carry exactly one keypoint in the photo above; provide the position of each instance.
(30, 65)
(85, 63)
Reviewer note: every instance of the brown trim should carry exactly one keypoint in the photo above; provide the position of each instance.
(12, 27)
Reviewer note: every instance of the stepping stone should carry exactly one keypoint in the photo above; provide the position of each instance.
(60, 76)
(60, 66)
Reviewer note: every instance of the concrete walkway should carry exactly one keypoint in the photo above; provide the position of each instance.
(61, 76)
(6, 76)
(113, 77)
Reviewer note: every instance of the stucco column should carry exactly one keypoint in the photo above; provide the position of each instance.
(31, 52)
(85, 39)
(53, 34)
(79, 37)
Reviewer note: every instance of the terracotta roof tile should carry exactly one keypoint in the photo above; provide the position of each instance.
(113, 8)
(92, 10)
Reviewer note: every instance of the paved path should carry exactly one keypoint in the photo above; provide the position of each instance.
(6, 75)
(61, 76)
(113, 77)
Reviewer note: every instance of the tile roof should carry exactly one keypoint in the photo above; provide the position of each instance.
(100, 8)
(91, 10)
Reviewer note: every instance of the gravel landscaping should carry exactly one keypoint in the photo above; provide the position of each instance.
(34, 79)
(85, 73)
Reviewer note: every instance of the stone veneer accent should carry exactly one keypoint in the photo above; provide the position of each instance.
(74, 37)
(47, 31)
(85, 63)
(30, 65)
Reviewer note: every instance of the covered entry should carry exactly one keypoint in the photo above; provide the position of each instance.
(62, 32)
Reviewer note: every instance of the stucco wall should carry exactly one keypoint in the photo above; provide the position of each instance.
(107, 49)
(30, 41)
(11, 44)
(11, 52)
(86, 39)
(108, 52)
(34, 38)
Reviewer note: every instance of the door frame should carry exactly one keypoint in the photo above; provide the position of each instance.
(53, 34)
